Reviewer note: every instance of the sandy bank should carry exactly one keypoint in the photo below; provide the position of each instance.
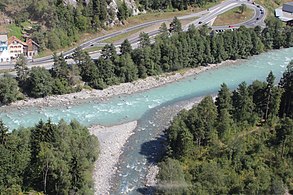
(124, 88)
(111, 141)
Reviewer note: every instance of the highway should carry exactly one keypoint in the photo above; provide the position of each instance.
(257, 19)
(204, 17)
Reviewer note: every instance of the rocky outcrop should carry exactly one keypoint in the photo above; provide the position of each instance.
(112, 8)
(131, 4)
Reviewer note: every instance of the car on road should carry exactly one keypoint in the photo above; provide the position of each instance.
(257, 18)
(68, 57)
(200, 22)
(231, 26)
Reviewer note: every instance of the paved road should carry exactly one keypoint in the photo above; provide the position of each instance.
(205, 17)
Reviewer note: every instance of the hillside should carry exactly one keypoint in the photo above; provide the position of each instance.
(56, 24)
(239, 144)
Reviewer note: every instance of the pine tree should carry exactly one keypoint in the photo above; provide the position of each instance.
(286, 83)
(223, 100)
(125, 47)
(21, 69)
(243, 105)
(109, 52)
(144, 40)
(3, 133)
(175, 26)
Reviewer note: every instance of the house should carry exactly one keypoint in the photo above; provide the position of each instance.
(3, 43)
(16, 47)
(31, 49)
(288, 7)
(285, 13)
(11, 48)
(4, 54)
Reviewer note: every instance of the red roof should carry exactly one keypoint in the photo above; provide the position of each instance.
(13, 38)
(30, 44)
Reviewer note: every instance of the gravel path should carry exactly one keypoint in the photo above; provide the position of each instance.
(111, 141)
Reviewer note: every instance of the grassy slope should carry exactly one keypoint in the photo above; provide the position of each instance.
(233, 16)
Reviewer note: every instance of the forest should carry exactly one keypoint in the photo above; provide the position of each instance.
(241, 143)
(172, 4)
(172, 50)
(56, 24)
(47, 159)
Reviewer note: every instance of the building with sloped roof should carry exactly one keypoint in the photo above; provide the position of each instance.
(32, 48)
(288, 7)
(16, 47)
(3, 42)
(285, 13)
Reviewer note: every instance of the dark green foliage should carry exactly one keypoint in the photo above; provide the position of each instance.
(49, 158)
(243, 105)
(9, 91)
(39, 82)
(284, 137)
(144, 40)
(196, 47)
(15, 154)
(286, 84)
(3, 133)
(21, 69)
(221, 153)
(164, 31)
(175, 26)
(123, 13)
(168, 4)
(109, 52)
(59, 24)
(127, 69)
(88, 70)
(125, 47)
(171, 177)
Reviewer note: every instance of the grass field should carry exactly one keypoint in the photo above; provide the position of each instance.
(233, 16)
(122, 36)
(94, 48)
(14, 30)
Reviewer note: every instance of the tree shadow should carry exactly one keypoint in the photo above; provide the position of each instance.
(154, 151)
(147, 190)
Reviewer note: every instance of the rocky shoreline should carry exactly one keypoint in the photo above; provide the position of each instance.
(153, 169)
(102, 95)
(112, 140)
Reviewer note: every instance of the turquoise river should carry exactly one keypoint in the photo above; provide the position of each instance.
(151, 108)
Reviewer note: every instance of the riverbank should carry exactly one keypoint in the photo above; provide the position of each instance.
(124, 88)
(112, 140)
(153, 169)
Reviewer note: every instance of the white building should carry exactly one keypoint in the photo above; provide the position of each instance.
(285, 13)
(4, 53)
(5, 56)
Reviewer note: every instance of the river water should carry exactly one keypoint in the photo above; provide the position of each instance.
(152, 108)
